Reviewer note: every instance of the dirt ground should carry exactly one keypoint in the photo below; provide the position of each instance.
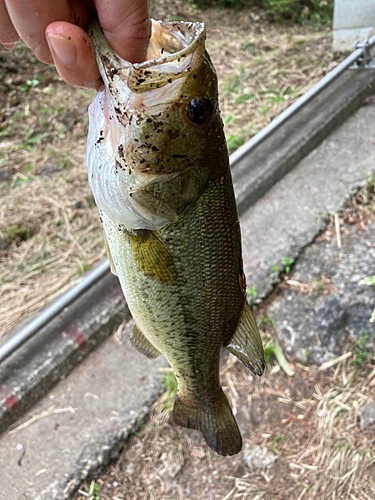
(303, 427)
(50, 233)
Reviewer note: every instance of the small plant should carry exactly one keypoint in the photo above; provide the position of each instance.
(319, 284)
(264, 321)
(30, 84)
(29, 140)
(83, 267)
(275, 271)
(252, 296)
(246, 98)
(249, 46)
(370, 280)
(360, 350)
(285, 267)
(171, 385)
(235, 141)
(287, 263)
(276, 443)
(272, 349)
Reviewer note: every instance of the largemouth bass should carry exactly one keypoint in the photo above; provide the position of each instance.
(159, 171)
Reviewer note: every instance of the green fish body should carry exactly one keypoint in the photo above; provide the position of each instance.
(159, 170)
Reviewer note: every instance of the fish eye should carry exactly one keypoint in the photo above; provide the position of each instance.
(198, 110)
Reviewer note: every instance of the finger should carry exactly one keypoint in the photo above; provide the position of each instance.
(31, 17)
(126, 26)
(73, 54)
(8, 35)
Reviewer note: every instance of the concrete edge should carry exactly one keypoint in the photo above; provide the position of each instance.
(109, 449)
(31, 371)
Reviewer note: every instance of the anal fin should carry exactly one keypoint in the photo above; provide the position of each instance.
(141, 344)
(246, 343)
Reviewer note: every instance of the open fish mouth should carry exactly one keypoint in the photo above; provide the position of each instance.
(140, 138)
(173, 48)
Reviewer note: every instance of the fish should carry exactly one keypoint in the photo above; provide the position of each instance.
(159, 171)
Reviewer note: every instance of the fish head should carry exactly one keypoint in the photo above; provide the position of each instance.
(162, 123)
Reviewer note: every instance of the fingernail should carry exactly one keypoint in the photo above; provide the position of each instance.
(63, 48)
(9, 46)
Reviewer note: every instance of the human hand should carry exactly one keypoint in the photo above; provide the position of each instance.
(55, 32)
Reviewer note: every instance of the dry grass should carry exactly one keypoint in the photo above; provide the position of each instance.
(309, 423)
(49, 230)
(359, 210)
(342, 457)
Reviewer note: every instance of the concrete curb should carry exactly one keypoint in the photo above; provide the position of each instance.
(31, 371)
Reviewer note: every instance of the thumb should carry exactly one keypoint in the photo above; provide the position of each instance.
(126, 26)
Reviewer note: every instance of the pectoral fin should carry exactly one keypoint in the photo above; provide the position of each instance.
(139, 342)
(246, 343)
(153, 256)
(109, 255)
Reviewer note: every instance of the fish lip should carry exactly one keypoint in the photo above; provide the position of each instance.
(155, 72)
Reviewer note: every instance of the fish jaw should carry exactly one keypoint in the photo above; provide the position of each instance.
(143, 131)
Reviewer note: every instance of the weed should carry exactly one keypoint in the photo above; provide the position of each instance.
(272, 349)
(287, 263)
(360, 350)
(232, 84)
(246, 98)
(30, 84)
(234, 141)
(276, 443)
(6, 132)
(275, 272)
(171, 385)
(286, 266)
(29, 140)
(264, 321)
(319, 284)
(229, 119)
(83, 267)
(249, 46)
(19, 233)
(251, 296)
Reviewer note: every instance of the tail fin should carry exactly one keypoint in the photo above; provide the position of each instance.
(216, 422)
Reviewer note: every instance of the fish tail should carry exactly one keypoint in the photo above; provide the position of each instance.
(215, 421)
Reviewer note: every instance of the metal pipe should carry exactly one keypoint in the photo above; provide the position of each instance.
(285, 115)
(52, 310)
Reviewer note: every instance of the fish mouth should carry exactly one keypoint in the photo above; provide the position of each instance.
(173, 51)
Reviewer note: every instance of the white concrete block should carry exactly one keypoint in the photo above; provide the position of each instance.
(352, 20)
